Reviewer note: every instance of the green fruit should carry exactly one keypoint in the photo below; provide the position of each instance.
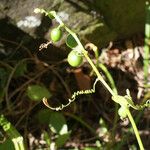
(71, 42)
(37, 93)
(56, 34)
(74, 59)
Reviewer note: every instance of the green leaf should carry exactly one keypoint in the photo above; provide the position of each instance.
(37, 92)
(21, 69)
(57, 123)
(61, 140)
(8, 144)
(71, 42)
(43, 116)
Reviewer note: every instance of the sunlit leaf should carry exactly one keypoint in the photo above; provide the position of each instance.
(57, 123)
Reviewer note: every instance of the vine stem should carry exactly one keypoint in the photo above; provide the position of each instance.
(101, 78)
(90, 61)
(108, 87)
(135, 129)
(113, 93)
(85, 54)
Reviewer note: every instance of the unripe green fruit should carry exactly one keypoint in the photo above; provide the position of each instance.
(74, 59)
(56, 34)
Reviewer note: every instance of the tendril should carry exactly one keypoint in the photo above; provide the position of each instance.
(147, 104)
(73, 97)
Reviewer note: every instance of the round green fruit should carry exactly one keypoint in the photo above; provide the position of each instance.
(56, 34)
(74, 59)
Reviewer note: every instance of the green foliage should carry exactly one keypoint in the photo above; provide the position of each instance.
(61, 140)
(47, 138)
(12, 133)
(59, 126)
(7, 145)
(71, 42)
(43, 116)
(37, 92)
(21, 69)
(57, 123)
(125, 101)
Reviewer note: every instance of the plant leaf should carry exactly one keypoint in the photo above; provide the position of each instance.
(70, 41)
(43, 116)
(61, 140)
(57, 123)
(37, 92)
(8, 144)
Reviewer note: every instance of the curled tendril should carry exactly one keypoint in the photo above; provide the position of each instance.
(147, 104)
(73, 97)
(126, 101)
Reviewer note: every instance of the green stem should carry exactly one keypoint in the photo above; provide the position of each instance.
(135, 129)
(85, 54)
(113, 86)
(101, 78)
(106, 85)
(12, 133)
(92, 65)
(109, 77)
(16, 145)
(147, 42)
